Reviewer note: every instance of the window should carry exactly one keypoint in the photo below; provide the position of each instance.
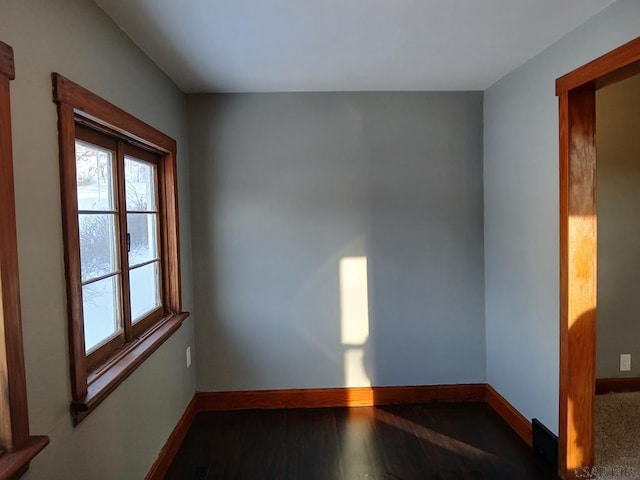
(17, 447)
(121, 238)
(120, 251)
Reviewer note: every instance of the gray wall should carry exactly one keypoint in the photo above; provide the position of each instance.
(618, 144)
(123, 436)
(286, 185)
(521, 213)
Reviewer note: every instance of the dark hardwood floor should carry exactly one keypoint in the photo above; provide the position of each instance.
(435, 441)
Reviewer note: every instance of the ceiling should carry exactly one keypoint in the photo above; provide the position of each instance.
(344, 45)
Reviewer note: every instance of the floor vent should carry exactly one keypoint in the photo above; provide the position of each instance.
(545, 443)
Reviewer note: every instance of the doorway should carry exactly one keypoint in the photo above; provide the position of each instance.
(578, 251)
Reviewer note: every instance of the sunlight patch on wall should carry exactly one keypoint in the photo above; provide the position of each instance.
(354, 325)
(355, 374)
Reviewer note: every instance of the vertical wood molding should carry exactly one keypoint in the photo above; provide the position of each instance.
(579, 261)
(161, 466)
(14, 421)
(171, 218)
(578, 249)
(20, 448)
(564, 283)
(78, 359)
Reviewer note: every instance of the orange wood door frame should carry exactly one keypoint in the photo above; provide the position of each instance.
(578, 250)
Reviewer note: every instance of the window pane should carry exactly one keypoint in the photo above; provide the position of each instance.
(140, 185)
(101, 312)
(143, 237)
(94, 176)
(145, 290)
(98, 251)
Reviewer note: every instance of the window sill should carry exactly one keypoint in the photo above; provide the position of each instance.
(14, 464)
(106, 378)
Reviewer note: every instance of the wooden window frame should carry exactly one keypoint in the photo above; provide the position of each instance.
(576, 93)
(92, 382)
(17, 447)
(130, 330)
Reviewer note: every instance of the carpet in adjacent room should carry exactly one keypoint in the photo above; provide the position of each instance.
(617, 436)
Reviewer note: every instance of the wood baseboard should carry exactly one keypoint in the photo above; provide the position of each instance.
(338, 397)
(617, 385)
(509, 414)
(163, 462)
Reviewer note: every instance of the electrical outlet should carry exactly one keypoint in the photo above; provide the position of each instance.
(625, 362)
(188, 356)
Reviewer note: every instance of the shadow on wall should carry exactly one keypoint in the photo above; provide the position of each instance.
(337, 239)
